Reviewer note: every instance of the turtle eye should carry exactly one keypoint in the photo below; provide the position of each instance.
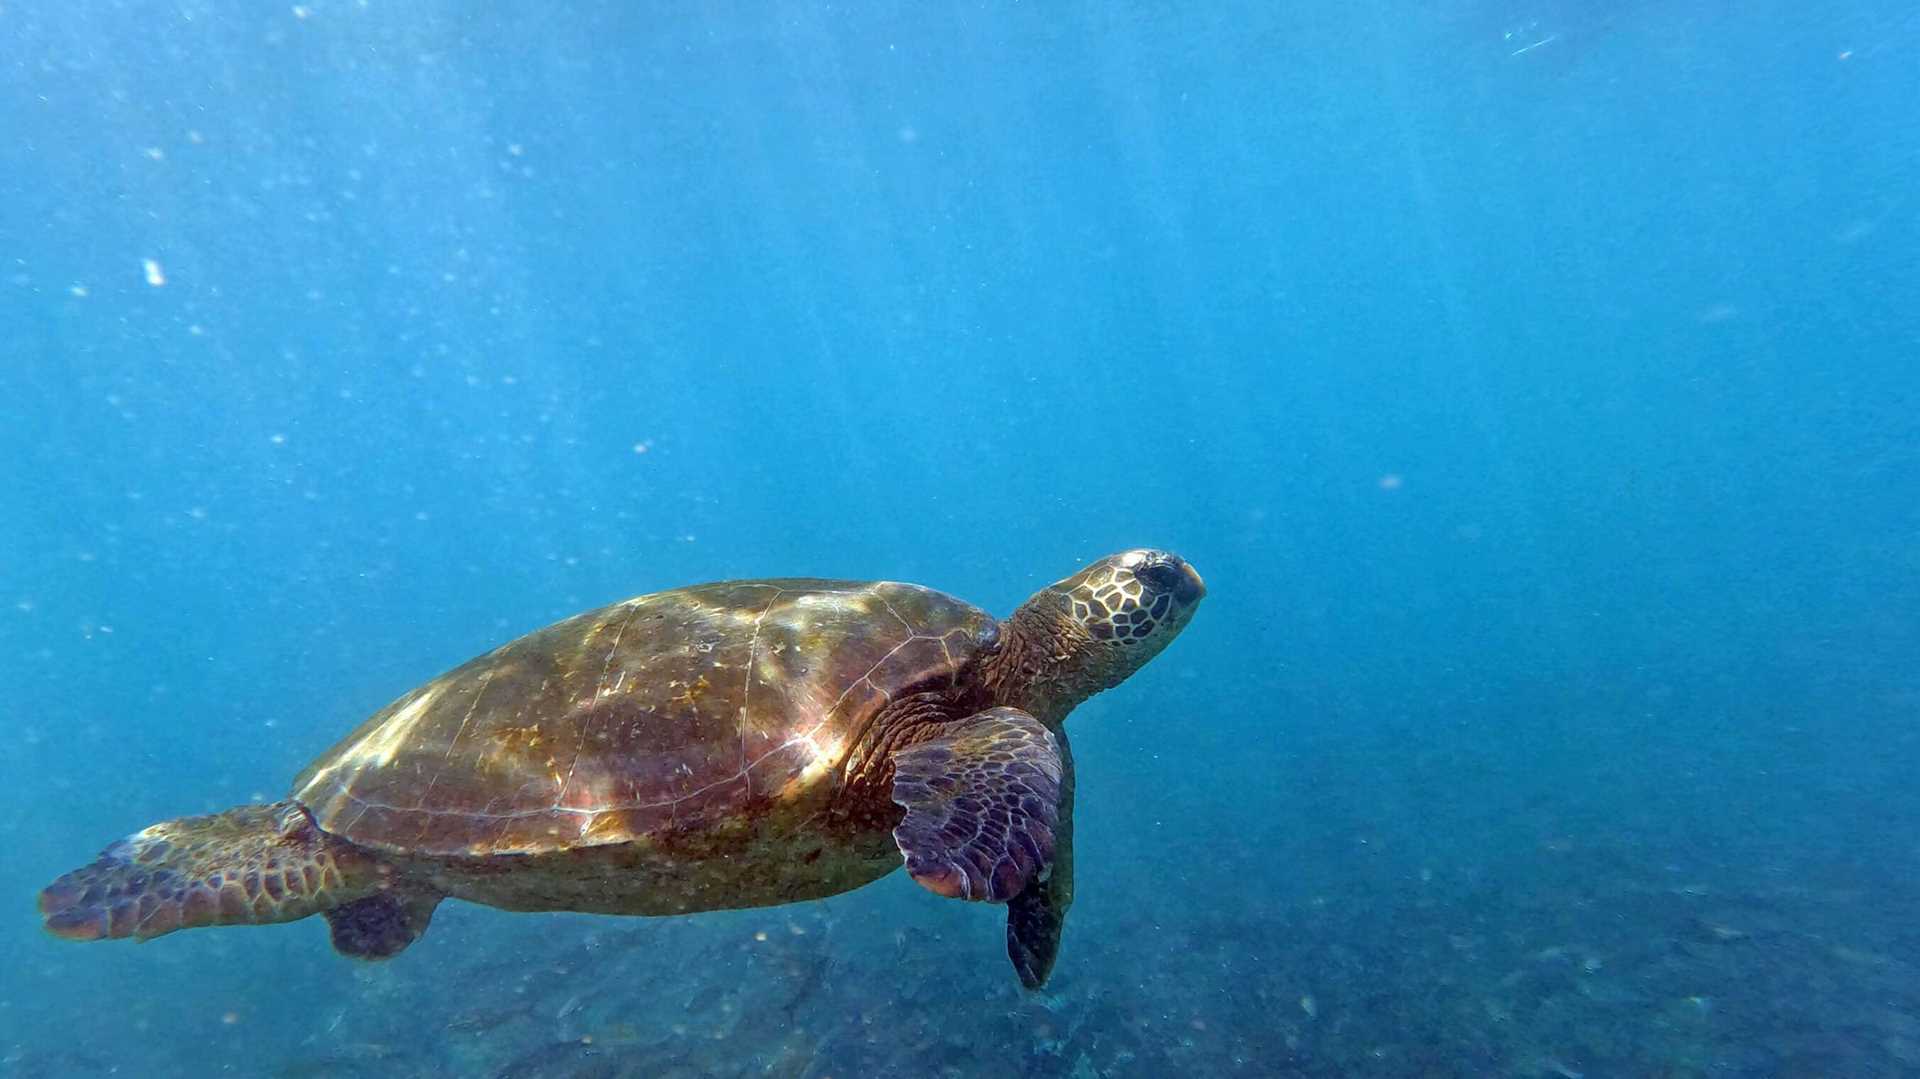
(1159, 576)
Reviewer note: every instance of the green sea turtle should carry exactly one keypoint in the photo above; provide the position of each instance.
(739, 744)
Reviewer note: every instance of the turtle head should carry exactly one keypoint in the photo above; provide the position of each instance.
(1090, 631)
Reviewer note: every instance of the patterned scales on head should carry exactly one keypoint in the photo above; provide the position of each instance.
(1110, 602)
(665, 715)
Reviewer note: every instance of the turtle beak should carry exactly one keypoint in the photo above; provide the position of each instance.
(1191, 588)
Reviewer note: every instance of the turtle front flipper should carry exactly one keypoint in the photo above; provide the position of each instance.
(982, 805)
(1035, 916)
(248, 866)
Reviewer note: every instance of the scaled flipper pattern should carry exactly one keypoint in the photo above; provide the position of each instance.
(1036, 915)
(982, 805)
(251, 865)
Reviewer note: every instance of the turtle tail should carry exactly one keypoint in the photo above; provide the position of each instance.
(252, 865)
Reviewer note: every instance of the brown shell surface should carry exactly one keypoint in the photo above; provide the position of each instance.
(672, 711)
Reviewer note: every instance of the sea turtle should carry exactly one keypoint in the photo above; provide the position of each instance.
(739, 744)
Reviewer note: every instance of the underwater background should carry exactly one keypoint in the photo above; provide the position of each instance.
(1536, 384)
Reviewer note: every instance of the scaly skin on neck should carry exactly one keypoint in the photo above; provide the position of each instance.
(1048, 663)
(1069, 641)
(1045, 665)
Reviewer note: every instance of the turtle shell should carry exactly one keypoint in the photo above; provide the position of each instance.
(672, 711)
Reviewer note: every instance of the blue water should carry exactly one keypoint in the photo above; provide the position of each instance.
(1534, 383)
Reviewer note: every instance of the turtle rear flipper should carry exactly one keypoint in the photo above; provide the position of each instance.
(248, 866)
(982, 802)
(380, 925)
